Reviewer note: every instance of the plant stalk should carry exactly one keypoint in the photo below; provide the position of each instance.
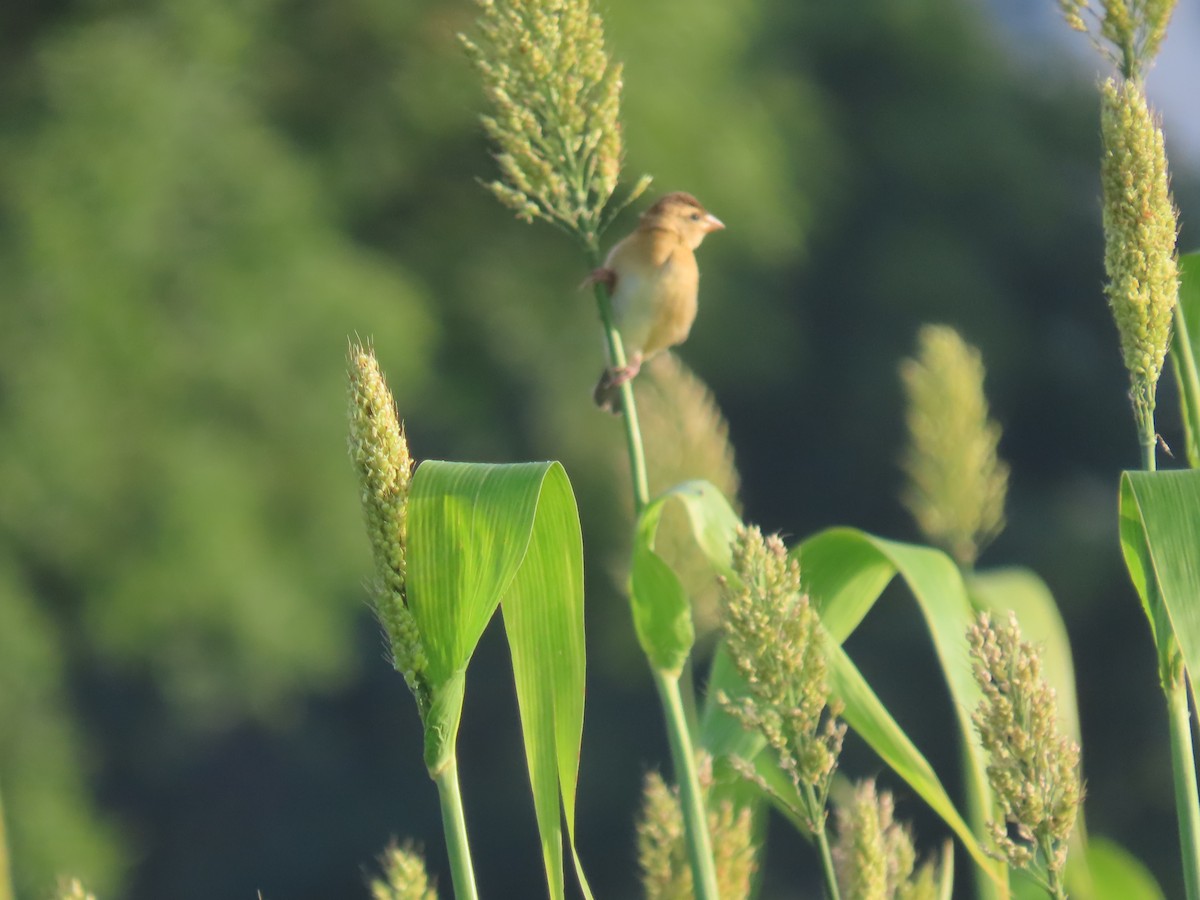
(1188, 377)
(633, 430)
(6, 885)
(1183, 764)
(695, 821)
(454, 823)
(1147, 438)
(817, 826)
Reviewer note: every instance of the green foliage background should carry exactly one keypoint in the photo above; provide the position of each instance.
(200, 200)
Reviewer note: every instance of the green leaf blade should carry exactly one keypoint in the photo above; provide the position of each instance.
(1185, 353)
(845, 570)
(469, 527)
(662, 614)
(543, 618)
(1160, 537)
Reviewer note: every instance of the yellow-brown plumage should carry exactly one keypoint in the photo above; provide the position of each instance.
(653, 280)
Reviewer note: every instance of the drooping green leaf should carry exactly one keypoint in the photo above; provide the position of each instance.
(543, 617)
(870, 719)
(482, 535)
(662, 615)
(1185, 353)
(1160, 537)
(844, 571)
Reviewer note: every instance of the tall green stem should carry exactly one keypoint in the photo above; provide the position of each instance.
(699, 844)
(1183, 760)
(6, 886)
(1188, 378)
(704, 873)
(1183, 763)
(1147, 436)
(454, 823)
(633, 430)
(816, 815)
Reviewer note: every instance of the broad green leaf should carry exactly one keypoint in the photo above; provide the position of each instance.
(482, 535)
(844, 571)
(1185, 353)
(1160, 537)
(468, 529)
(662, 615)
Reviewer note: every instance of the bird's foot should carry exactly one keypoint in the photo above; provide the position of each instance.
(619, 376)
(603, 275)
(608, 390)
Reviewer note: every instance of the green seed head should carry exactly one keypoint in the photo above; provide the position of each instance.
(1140, 231)
(554, 100)
(381, 458)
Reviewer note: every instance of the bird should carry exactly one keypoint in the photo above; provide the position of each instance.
(653, 281)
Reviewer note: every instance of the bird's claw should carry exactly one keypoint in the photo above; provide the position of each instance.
(602, 275)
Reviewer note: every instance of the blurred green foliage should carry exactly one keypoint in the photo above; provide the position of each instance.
(201, 199)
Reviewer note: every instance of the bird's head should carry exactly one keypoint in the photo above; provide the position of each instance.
(682, 213)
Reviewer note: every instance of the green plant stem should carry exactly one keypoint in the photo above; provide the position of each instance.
(633, 430)
(1188, 377)
(6, 886)
(1183, 764)
(1147, 437)
(704, 873)
(816, 816)
(699, 844)
(454, 823)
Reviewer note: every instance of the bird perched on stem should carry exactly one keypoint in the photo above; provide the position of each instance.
(653, 280)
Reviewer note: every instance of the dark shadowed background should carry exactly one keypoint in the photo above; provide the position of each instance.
(201, 200)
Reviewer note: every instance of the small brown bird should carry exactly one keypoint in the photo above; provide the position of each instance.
(653, 280)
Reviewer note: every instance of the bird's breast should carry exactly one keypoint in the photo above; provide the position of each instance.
(656, 306)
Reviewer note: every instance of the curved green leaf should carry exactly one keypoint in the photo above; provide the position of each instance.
(482, 535)
(844, 571)
(662, 614)
(468, 530)
(1160, 537)
(1185, 352)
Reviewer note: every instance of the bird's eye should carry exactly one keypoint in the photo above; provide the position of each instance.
(695, 217)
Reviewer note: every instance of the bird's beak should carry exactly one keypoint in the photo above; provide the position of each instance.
(712, 223)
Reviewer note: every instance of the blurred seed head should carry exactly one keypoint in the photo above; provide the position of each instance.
(404, 876)
(73, 889)
(662, 851)
(874, 856)
(686, 437)
(957, 482)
